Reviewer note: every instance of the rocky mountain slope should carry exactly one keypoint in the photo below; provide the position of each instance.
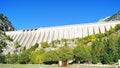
(5, 24)
(115, 17)
(5, 41)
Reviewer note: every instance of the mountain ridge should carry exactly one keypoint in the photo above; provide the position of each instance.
(115, 17)
(5, 24)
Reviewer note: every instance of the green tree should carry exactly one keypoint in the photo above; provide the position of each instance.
(36, 57)
(65, 53)
(24, 57)
(105, 58)
(112, 48)
(51, 57)
(118, 47)
(82, 53)
(97, 50)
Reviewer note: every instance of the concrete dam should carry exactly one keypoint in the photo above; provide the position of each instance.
(27, 38)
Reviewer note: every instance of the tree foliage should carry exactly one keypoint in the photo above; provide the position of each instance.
(2, 58)
(24, 58)
(65, 53)
(2, 44)
(117, 27)
(51, 57)
(11, 58)
(82, 53)
(36, 57)
(97, 50)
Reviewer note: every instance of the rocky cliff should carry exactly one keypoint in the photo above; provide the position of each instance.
(5, 24)
(115, 17)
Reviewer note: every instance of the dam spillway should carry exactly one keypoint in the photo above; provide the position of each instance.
(27, 38)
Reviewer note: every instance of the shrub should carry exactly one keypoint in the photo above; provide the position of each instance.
(24, 58)
(100, 35)
(44, 44)
(8, 38)
(117, 27)
(105, 58)
(2, 44)
(34, 47)
(11, 58)
(17, 45)
(2, 58)
(112, 30)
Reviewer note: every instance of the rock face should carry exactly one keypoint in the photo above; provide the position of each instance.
(5, 24)
(115, 17)
(6, 44)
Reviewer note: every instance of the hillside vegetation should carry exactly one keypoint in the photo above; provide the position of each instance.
(100, 48)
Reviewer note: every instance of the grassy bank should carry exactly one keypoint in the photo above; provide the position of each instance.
(26, 66)
(55, 66)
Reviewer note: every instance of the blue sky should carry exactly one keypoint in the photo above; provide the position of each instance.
(25, 14)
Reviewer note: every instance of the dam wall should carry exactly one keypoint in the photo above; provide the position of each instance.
(29, 37)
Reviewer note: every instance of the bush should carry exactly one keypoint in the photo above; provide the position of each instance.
(2, 58)
(95, 59)
(105, 59)
(34, 47)
(112, 30)
(24, 58)
(11, 58)
(2, 44)
(117, 27)
(8, 38)
(44, 44)
(100, 35)
(17, 45)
